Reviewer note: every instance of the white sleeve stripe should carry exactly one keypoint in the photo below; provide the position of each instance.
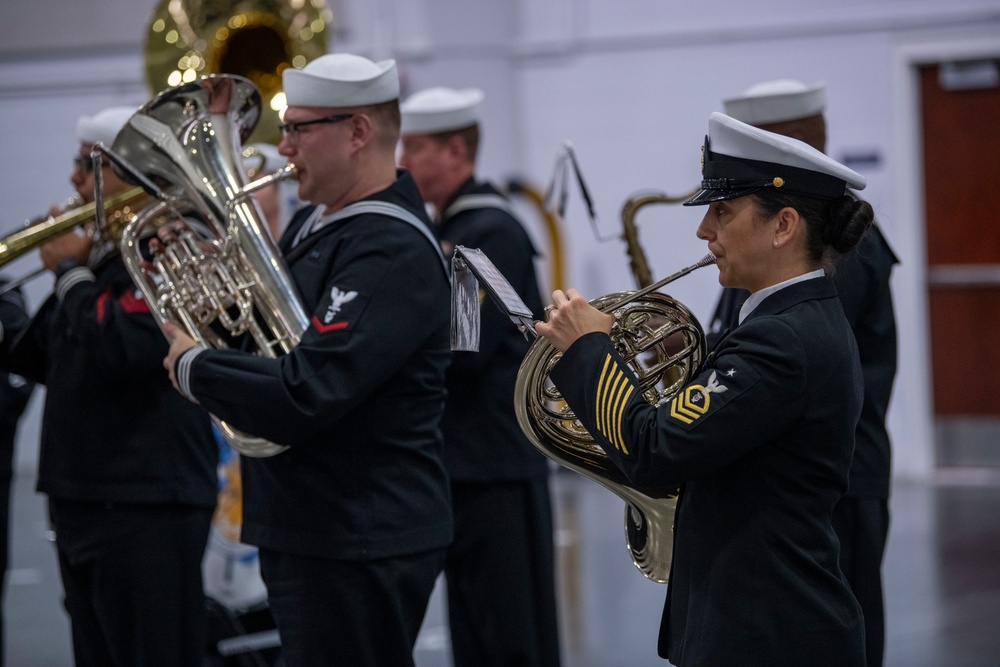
(71, 278)
(183, 371)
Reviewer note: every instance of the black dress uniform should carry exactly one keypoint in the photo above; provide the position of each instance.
(14, 394)
(352, 520)
(499, 480)
(128, 466)
(762, 440)
(861, 518)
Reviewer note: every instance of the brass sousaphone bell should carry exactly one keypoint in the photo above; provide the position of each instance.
(254, 39)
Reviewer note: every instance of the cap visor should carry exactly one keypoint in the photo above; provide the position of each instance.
(708, 196)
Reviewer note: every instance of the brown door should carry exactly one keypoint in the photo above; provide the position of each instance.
(961, 141)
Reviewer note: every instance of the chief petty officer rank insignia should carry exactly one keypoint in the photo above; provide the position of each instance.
(695, 399)
(615, 387)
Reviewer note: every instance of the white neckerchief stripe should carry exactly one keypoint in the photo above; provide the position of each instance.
(469, 202)
(306, 227)
(754, 299)
(378, 207)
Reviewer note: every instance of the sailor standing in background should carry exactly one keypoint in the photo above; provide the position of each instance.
(499, 571)
(278, 201)
(861, 519)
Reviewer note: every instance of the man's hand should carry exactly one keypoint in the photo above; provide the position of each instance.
(74, 244)
(570, 316)
(180, 343)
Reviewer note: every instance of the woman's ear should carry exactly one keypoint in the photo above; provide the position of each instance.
(788, 222)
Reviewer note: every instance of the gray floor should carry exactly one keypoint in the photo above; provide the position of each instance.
(942, 575)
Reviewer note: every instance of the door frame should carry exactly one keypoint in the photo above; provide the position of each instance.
(911, 419)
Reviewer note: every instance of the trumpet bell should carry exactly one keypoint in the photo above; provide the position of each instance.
(663, 344)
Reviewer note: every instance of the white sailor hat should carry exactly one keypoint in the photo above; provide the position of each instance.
(777, 101)
(440, 110)
(739, 159)
(341, 80)
(262, 159)
(103, 126)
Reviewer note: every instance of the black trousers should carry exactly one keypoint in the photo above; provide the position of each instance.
(132, 582)
(337, 613)
(862, 525)
(500, 576)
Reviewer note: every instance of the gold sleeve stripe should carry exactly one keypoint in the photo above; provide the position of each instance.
(609, 405)
(618, 418)
(601, 383)
(613, 392)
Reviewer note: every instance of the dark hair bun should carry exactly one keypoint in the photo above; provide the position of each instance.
(850, 218)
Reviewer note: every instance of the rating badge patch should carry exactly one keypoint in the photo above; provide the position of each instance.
(695, 399)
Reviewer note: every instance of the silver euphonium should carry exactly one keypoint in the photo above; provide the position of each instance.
(184, 147)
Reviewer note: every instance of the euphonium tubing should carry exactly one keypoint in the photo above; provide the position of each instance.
(644, 321)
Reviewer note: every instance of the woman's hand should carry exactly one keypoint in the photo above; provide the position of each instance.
(570, 316)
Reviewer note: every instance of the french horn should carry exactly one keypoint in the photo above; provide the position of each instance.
(663, 344)
(184, 147)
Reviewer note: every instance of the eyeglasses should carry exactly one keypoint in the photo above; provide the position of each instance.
(86, 163)
(291, 130)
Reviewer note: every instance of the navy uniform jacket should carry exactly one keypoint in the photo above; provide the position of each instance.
(14, 389)
(483, 441)
(358, 401)
(862, 280)
(113, 429)
(762, 442)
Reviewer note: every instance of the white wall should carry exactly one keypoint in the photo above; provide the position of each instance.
(629, 82)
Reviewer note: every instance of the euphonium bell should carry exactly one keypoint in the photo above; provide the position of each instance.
(185, 145)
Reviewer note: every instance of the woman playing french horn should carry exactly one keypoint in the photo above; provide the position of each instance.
(761, 440)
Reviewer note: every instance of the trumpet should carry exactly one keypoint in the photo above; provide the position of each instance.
(119, 210)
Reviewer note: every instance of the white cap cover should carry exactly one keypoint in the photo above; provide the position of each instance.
(440, 110)
(341, 80)
(777, 101)
(740, 159)
(103, 126)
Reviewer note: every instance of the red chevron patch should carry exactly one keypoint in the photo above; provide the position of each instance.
(326, 328)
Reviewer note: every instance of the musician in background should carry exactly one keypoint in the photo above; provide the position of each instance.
(277, 201)
(128, 465)
(353, 519)
(861, 519)
(14, 394)
(499, 480)
(760, 441)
